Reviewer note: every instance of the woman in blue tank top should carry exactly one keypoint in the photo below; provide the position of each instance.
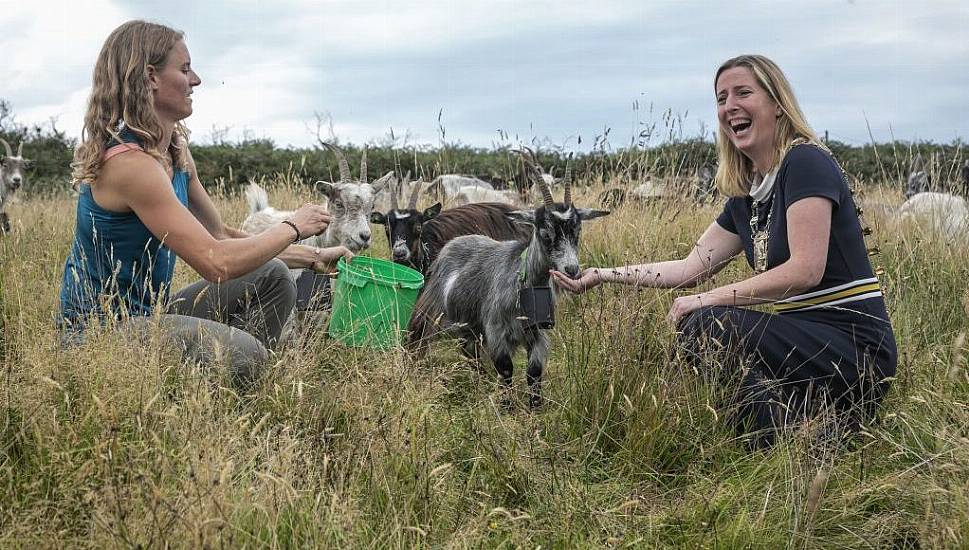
(828, 344)
(141, 204)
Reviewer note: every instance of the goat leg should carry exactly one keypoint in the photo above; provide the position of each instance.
(4, 222)
(537, 353)
(505, 367)
(471, 348)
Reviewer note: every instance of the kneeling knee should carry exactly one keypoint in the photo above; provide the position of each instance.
(698, 322)
(276, 268)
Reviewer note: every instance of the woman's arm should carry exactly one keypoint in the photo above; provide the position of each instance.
(202, 207)
(712, 251)
(145, 188)
(808, 232)
(295, 256)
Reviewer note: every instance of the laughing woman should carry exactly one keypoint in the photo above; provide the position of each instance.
(828, 344)
(141, 204)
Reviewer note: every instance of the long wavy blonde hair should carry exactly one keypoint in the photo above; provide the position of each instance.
(735, 170)
(121, 98)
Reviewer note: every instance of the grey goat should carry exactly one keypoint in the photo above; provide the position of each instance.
(11, 178)
(472, 288)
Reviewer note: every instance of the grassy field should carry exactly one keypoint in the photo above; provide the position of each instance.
(114, 445)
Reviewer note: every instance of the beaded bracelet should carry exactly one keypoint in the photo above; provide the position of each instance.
(296, 229)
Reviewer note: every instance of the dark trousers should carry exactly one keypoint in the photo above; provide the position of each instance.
(787, 368)
(234, 322)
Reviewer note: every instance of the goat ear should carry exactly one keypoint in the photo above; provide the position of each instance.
(589, 214)
(521, 216)
(432, 211)
(329, 189)
(378, 218)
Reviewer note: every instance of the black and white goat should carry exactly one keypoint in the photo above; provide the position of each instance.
(11, 179)
(472, 288)
(416, 237)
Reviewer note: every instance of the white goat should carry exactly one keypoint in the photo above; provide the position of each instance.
(446, 186)
(349, 202)
(469, 195)
(651, 190)
(947, 214)
(11, 178)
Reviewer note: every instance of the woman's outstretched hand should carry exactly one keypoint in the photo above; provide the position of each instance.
(590, 278)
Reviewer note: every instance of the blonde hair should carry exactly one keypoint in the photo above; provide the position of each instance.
(734, 169)
(121, 98)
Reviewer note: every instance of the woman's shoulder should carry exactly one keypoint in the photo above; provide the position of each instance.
(132, 166)
(808, 153)
(810, 170)
(806, 160)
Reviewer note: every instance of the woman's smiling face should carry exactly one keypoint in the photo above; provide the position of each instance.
(172, 84)
(747, 114)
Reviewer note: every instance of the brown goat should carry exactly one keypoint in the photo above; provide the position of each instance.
(486, 218)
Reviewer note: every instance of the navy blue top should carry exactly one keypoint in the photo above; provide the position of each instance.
(115, 261)
(808, 171)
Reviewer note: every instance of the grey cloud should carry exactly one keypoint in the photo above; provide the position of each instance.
(569, 71)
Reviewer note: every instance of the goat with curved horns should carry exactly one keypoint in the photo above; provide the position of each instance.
(403, 226)
(472, 288)
(350, 202)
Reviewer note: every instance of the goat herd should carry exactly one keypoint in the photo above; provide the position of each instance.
(481, 255)
(477, 256)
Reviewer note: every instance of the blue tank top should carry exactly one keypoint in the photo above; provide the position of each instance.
(115, 261)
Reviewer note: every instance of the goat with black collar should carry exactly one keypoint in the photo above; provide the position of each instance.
(473, 287)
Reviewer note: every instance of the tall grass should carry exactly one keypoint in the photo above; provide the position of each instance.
(116, 444)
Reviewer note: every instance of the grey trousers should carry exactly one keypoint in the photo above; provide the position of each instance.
(232, 323)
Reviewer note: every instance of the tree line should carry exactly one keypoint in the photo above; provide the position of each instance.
(232, 164)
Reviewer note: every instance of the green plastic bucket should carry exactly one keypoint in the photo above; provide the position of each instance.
(372, 302)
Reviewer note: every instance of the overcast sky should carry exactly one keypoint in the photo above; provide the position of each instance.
(504, 71)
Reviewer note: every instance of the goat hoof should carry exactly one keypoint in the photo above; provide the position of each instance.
(535, 401)
(506, 402)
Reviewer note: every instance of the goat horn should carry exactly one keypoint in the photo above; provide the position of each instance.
(363, 165)
(394, 187)
(529, 157)
(568, 181)
(20, 148)
(415, 193)
(341, 160)
(7, 146)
